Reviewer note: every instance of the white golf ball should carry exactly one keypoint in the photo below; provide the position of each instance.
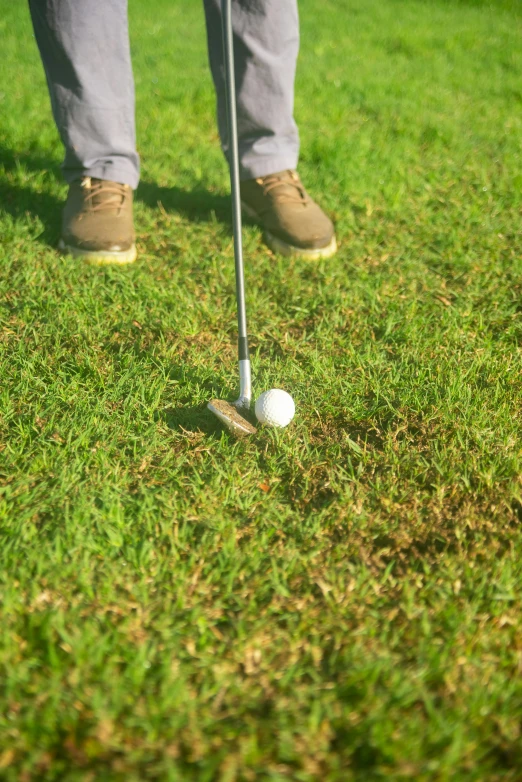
(275, 408)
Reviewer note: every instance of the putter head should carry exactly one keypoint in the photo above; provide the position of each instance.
(231, 417)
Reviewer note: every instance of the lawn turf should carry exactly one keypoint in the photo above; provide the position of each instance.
(339, 601)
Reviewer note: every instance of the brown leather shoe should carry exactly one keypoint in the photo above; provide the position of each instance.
(294, 224)
(97, 222)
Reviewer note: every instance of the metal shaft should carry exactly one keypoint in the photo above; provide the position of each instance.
(245, 393)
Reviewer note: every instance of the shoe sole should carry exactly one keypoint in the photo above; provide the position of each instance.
(100, 257)
(281, 247)
(290, 251)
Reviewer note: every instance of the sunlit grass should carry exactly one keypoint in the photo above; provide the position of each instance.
(335, 602)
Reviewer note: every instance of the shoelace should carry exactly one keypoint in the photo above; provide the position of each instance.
(100, 187)
(297, 195)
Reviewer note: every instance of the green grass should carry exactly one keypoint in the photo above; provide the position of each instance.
(336, 602)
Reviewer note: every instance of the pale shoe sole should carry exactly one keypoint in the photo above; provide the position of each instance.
(100, 257)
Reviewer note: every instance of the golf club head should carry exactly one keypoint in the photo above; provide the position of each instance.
(230, 416)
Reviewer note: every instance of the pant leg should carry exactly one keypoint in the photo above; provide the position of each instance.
(266, 43)
(84, 45)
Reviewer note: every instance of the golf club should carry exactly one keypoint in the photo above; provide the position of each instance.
(229, 414)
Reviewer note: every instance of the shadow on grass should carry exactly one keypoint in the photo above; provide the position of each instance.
(196, 205)
(193, 420)
(20, 200)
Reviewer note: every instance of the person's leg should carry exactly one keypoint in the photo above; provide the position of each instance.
(84, 45)
(266, 43)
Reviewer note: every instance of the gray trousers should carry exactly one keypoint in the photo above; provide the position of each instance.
(84, 45)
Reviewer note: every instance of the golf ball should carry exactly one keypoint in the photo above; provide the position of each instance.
(275, 408)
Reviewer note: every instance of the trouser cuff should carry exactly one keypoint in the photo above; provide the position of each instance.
(265, 166)
(125, 174)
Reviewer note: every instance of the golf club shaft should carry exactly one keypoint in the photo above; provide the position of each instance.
(245, 393)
